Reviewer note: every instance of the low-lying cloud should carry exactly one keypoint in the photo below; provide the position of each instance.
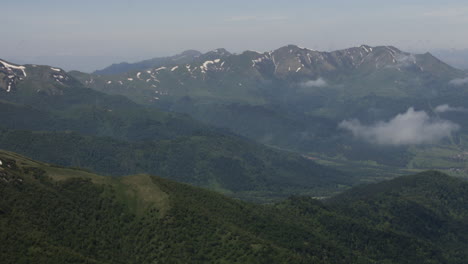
(404, 60)
(459, 81)
(409, 128)
(447, 108)
(320, 82)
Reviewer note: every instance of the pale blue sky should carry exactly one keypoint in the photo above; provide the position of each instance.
(130, 30)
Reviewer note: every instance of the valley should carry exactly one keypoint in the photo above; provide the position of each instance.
(295, 99)
(70, 125)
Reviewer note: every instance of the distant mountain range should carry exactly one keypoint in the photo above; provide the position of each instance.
(258, 78)
(187, 57)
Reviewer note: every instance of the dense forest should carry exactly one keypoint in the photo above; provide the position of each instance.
(50, 214)
(225, 163)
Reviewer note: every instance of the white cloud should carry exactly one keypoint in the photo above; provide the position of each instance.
(404, 60)
(447, 108)
(459, 81)
(320, 82)
(410, 128)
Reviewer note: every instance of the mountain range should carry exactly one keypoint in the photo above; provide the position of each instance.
(251, 76)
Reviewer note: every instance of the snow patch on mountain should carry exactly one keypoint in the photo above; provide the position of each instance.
(259, 60)
(15, 67)
(209, 63)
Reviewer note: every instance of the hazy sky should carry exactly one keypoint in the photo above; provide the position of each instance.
(130, 30)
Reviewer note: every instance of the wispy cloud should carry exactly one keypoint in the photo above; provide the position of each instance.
(459, 81)
(447, 108)
(409, 128)
(255, 18)
(320, 82)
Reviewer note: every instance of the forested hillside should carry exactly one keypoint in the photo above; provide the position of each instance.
(50, 214)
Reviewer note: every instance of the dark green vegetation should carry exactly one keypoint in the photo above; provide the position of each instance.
(50, 116)
(294, 98)
(223, 163)
(57, 215)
